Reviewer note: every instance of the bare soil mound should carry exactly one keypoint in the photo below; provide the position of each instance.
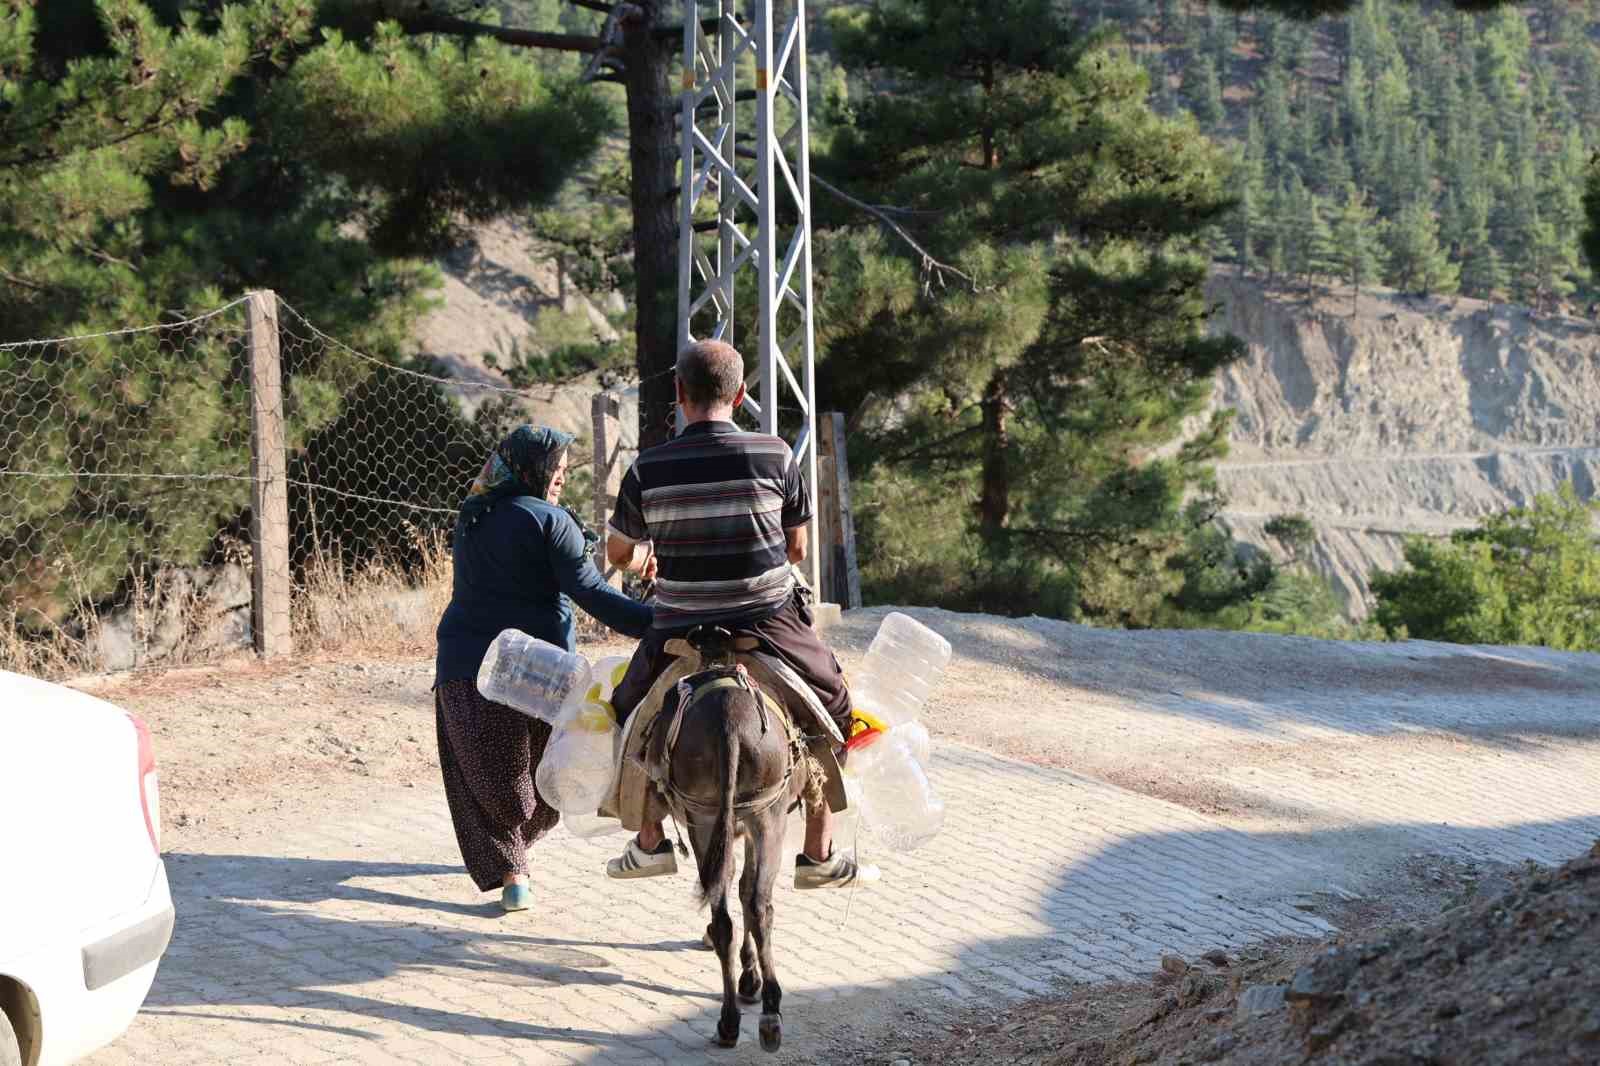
(1505, 979)
(1506, 976)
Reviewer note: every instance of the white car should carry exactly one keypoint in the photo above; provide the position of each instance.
(85, 912)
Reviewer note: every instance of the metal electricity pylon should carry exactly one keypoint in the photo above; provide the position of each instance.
(746, 208)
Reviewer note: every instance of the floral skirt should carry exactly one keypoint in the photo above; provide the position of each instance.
(488, 754)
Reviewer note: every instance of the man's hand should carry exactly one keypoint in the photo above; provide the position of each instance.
(624, 554)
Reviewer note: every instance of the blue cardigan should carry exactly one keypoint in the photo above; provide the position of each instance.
(521, 567)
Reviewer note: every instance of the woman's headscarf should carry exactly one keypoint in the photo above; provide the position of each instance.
(520, 465)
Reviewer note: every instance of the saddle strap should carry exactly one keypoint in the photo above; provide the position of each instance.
(688, 697)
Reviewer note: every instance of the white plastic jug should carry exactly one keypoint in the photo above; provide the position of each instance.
(914, 735)
(902, 665)
(531, 675)
(590, 826)
(897, 800)
(575, 773)
(606, 675)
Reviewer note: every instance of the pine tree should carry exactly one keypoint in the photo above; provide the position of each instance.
(1483, 269)
(1032, 405)
(1356, 242)
(1250, 218)
(1277, 123)
(1591, 209)
(1416, 262)
(1545, 266)
(1309, 247)
(185, 162)
(1204, 91)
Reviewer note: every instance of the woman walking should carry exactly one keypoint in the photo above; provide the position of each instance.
(520, 563)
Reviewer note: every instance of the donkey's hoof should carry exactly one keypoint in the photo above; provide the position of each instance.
(728, 1037)
(771, 1031)
(749, 988)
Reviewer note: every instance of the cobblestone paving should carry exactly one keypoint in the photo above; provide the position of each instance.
(361, 940)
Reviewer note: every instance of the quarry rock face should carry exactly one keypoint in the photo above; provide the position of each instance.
(1415, 415)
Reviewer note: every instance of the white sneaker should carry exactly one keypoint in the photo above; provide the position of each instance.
(635, 862)
(840, 869)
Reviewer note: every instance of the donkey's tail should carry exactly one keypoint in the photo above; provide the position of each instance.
(717, 870)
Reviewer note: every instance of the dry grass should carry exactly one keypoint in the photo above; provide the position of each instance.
(381, 608)
(42, 651)
(378, 608)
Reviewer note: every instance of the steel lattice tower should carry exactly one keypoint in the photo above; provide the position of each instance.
(745, 209)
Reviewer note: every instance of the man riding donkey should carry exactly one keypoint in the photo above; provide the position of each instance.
(723, 514)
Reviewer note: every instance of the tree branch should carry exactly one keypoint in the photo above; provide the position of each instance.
(675, 108)
(932, 269)
(23, 282)
(610, 40)
(931, 445)
(675, 33)
(458, 27)
(593, 5)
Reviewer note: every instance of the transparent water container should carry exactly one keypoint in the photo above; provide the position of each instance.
(914, 735)
(576, 771)
(606, 675)
(532, 676)
(590, 826)
(897, 800)
(902, 666)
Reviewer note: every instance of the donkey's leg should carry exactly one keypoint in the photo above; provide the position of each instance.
(722, 936)
(768, 857)
(749, 979)
(720, 932)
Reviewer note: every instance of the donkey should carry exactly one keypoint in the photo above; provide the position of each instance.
(731, 766)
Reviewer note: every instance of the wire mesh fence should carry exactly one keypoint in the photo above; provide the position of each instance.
(142, 522)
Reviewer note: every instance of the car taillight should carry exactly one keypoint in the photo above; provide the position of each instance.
(149, 783)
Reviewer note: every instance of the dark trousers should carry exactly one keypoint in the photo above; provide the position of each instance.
(488, 754)
(786, 634)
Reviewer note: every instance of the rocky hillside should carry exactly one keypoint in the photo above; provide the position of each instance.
(1415, 415)
(495, 285)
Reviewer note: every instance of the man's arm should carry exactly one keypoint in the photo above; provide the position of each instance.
(628, 545)
(797, 540)
(627, 554)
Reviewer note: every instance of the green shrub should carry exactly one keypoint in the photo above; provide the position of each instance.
(1529, 576)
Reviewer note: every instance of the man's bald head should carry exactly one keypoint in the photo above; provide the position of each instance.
(710, 373)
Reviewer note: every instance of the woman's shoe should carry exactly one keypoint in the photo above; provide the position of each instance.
(516, 897)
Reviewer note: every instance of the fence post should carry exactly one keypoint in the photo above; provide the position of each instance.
(838, 547)
(606, 413)
(827, 504)
(269, 488)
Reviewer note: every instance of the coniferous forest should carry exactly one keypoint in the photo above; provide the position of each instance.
(1426, 148)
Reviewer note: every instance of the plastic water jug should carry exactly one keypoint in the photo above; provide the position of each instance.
(903, 663)
(606, 675)
(914, 735)
(575, 773)
(532, 675)
(590, 826)
(897, 800)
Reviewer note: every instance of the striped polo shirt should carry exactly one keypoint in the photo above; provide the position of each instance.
(715, 501)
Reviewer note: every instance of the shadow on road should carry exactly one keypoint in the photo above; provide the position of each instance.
(251, 932)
